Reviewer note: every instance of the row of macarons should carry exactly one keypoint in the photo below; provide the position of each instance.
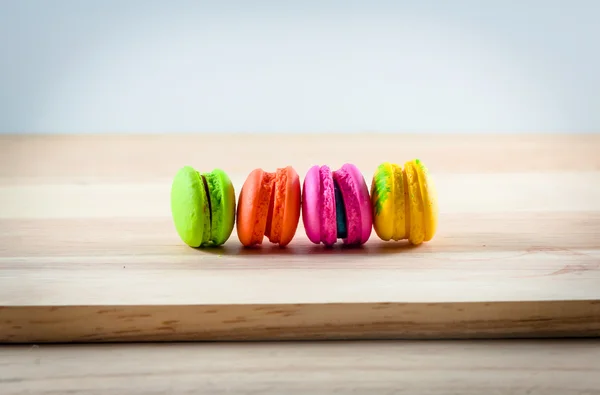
(335, 205)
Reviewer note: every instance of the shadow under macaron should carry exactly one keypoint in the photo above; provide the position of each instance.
(302, 247)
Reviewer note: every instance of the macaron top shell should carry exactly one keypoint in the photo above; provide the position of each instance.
(390, 212)
(318, 206)
(253, 207)
(189, 207)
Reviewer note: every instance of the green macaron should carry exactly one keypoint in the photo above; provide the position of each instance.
(202, 206)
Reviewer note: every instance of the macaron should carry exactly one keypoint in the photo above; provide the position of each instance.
(404, 202)
(202, 206)
(269, 205)
(336, 205)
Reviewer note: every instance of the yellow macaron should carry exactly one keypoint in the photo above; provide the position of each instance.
(404, 202)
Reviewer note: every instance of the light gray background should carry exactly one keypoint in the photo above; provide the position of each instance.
(299, 66)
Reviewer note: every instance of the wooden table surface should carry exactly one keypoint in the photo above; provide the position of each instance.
(88, 253)
(523, 367)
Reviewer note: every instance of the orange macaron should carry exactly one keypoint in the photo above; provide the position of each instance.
(269, 205)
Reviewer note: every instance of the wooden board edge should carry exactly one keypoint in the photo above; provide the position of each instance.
(267, 322)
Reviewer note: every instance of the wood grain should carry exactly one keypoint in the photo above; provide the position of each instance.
(441, 367)
(88, 251)
(332, 321)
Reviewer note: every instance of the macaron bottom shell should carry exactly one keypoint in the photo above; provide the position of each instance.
(357, 204)
(222, 204)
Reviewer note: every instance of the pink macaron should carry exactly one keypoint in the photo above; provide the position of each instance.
(336, 205)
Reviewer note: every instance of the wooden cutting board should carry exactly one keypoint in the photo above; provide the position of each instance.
(88, 251)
